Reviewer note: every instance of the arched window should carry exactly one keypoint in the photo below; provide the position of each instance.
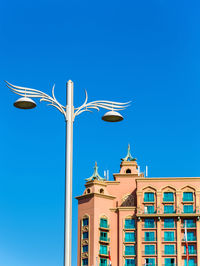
(88, 190)
(128, 171)
(101, 191)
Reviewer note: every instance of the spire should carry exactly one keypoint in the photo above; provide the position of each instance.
(128, 156)
(95, 175)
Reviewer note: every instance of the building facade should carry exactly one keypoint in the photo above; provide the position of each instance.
(139, 220)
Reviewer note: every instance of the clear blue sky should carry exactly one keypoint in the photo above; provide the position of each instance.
(144, 51)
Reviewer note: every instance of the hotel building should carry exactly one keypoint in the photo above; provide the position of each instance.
(140, 220)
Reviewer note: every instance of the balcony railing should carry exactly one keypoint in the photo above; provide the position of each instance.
(103, 225)
(103, 252)
(126, 226)
(169, 239)
(189, 225)
(149, 252)
(129, 253)
(191, 252)
(149, 226)
(149, 239)
(105, 239)
(194, 238)
(129, 239)
(169, 252)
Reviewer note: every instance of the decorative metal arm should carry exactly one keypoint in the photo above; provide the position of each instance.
(85, 107)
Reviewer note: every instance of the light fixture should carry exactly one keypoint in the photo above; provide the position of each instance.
(112, 116)
(25, 103)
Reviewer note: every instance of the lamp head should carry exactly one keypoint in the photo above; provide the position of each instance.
(25, 103)
(112, 116)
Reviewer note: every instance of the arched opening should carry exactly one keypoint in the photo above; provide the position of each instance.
(101, 191)
(88, 190)
(128, 171)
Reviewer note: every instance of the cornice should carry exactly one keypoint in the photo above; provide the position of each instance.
(91, 195)
(162, 179)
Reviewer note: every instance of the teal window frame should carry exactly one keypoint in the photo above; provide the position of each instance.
(191, 262)
(149, 249)
(188, 196)
(191, 249)
(169, 261)
(85, 248)
(188, 208)
(85, 235)
(168, 208)
(149, 223)
(85, 221)
(129, 224)
(85, 262)
(129, 262)
(149, 236)
(169, 236)
(149, 209)
(149, 197)
(129, 250)
(168, 197)
(169, 223)
(169, 249)
(103, 236)
(189, 223)
(104, 249)
(104, 223)
(129, 237)
(150, 261)
(103, 262)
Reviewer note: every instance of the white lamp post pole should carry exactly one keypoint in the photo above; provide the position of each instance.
(69, 113)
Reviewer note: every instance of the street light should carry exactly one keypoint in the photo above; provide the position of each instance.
(69, 113)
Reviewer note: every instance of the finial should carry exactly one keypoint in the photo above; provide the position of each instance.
(128, 156)
(95, 175)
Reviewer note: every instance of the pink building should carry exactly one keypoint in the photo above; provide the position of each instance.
(139, 220)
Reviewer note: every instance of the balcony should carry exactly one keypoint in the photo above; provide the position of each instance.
(149, 239)
(104, 239)
(194, 238)
(169, 252)
(129, 253)
(169, 239)
(149, 252)
(104, 226)
(189, 226)
(103, 252)
(191, 252)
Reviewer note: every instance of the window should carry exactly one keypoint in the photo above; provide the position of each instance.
(188, 208)
(103, 223)
(169, 209)
(191, 236)
(149, 223)
(88, 190)
(168, 236)
(84, 262)
(129, 262)
(169, 262)
(101, 191)
(169, 249)
(149, 209)
(129, 223)
(149, 236)
(103, 236)
(85, 248)
(85, 235)
(149, 262)
(130, 237)
(191, 262)
(168, 196)
(169, 223)
(129, 250)
(148, 197)
(128, 171)
(149, 249)
(187, 196)
(85, 221)
(103, 262)
(191, 249)
(189, 223)
(103, 249)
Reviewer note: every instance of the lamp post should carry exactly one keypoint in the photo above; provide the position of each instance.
(69, 112)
